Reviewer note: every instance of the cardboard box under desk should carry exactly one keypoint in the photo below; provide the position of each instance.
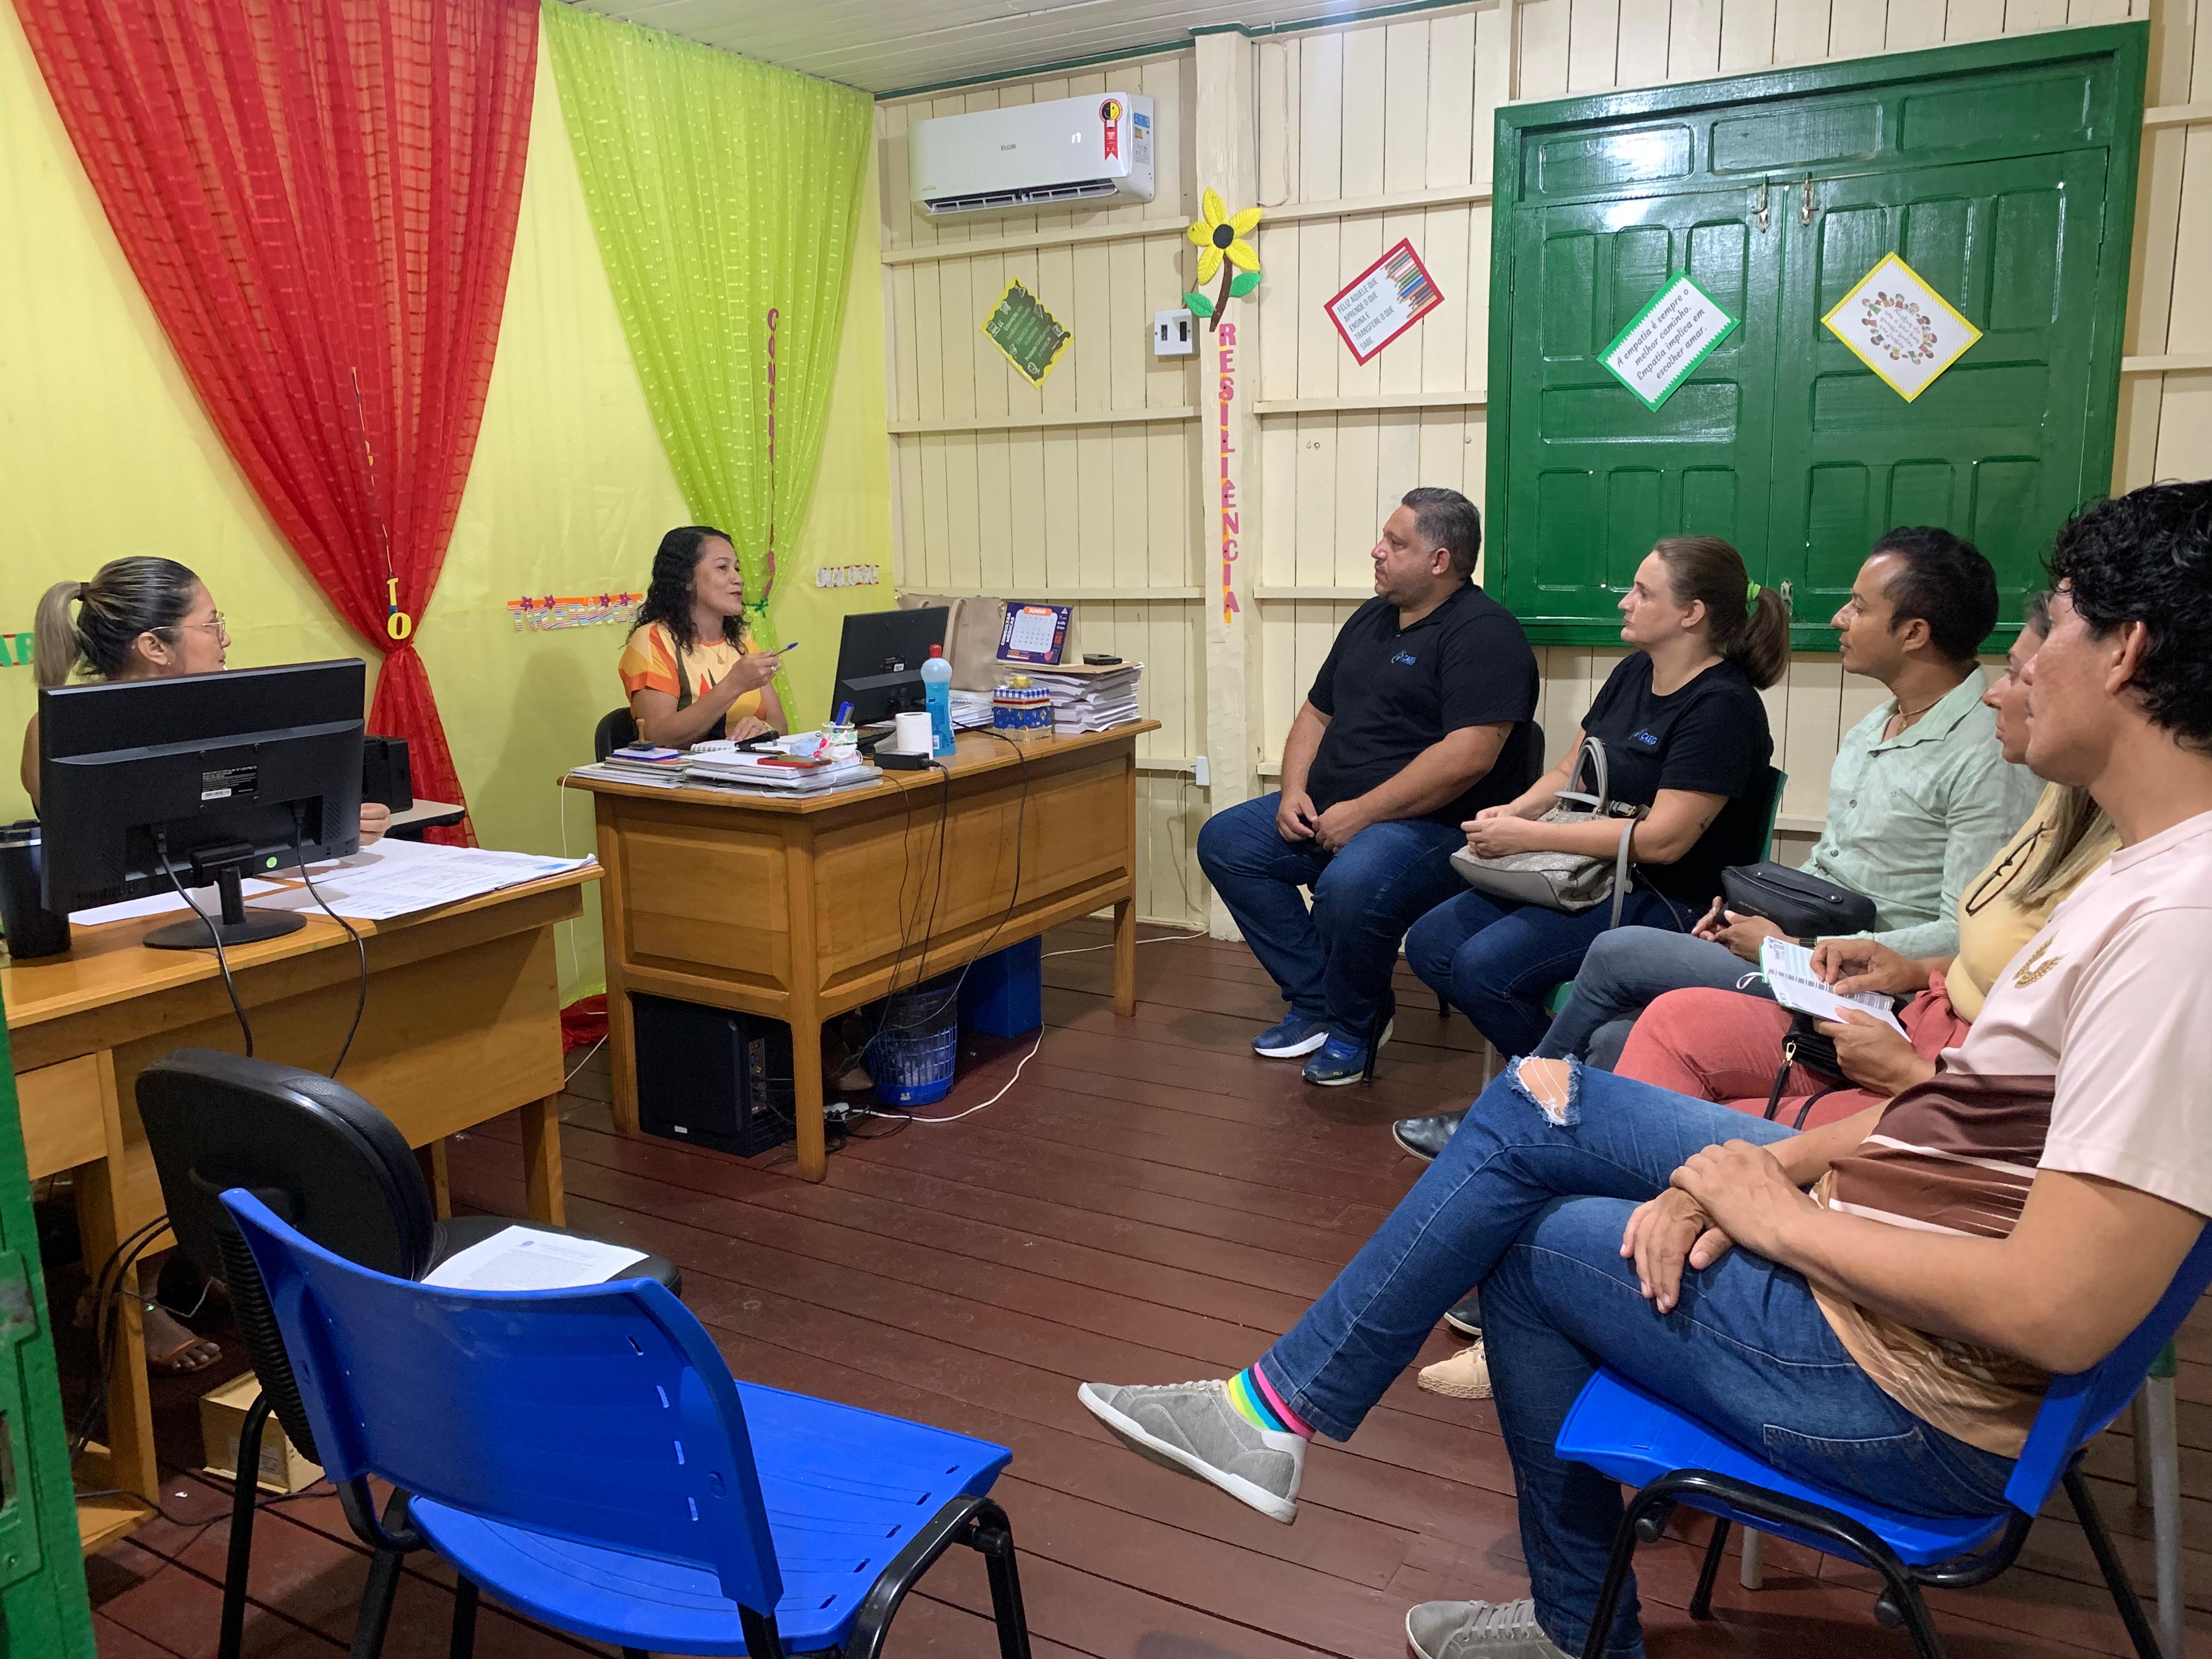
(284, 1468)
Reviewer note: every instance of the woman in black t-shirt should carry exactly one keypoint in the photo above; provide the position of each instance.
(1684, 734)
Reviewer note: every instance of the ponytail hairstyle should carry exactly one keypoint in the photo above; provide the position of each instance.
(124, 598)
(2076, 817)
(1748, 625)
(668, 592)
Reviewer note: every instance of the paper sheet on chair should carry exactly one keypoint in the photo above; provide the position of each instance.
(1787, 967)
(525, 1259)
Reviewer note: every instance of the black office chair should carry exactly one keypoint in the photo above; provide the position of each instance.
(617, 730)
(331, 1165)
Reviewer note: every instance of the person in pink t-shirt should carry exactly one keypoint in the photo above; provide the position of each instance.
(1875, 1305)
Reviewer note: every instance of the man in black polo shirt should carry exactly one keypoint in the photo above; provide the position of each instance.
(1418, 719)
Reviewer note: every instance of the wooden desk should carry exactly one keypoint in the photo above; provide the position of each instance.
(799, 910)
(463, 1022)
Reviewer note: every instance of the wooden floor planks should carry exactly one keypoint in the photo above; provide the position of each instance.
(1149, 1202)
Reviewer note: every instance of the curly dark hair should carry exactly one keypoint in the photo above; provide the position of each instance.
(2146, 557)
(668, 593)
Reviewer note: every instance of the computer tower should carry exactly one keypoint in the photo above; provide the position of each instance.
(708, 1076)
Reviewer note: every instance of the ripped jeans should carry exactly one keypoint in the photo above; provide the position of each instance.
(1530, 1205)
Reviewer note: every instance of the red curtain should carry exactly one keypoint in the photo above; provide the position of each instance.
(319, 198)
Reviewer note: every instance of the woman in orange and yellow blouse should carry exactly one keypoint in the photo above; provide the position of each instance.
(690, 669)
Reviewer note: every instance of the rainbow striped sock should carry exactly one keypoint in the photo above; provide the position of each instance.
(1257, 1402)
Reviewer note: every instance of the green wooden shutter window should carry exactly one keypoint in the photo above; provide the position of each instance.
(2003, 173)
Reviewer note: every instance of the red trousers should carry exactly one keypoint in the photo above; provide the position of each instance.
(1725, 1046)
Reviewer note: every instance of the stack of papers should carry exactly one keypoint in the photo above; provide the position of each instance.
(607, 772)
(645, 760)
(784, 774)
(971, 709)
(1787, 967)
(394, 878)
(398, 878)
(1090, 699)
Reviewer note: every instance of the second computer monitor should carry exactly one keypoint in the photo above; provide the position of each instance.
(880, 661)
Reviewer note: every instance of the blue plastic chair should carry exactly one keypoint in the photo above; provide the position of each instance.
(585, 1456)
(1671, 1458)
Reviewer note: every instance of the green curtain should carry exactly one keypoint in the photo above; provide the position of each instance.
(723, 194)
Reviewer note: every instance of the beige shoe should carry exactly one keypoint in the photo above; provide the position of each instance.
(1465, 1375)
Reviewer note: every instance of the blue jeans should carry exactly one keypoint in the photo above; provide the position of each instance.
(1532, 1211)
(1333, 961)
(1495, 962)
(1625, 972)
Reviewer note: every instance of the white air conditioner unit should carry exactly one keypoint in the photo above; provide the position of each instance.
(1002, 161)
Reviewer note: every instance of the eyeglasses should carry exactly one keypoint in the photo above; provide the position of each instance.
(218, 627)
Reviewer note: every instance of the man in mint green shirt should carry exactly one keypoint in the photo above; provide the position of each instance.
(1920, 798)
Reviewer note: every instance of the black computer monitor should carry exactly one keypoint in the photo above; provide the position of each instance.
(145, 786)
(880, 661)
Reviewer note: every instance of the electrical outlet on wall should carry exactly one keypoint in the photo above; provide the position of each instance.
(1173, 335)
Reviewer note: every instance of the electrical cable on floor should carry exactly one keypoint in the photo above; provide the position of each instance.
(1157, 938)
(569, 1075)
(221, 960)
(360, 946)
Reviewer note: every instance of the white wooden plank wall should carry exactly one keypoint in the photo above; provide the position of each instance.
(1006, 490)
(1406, 105)
(1345, 115)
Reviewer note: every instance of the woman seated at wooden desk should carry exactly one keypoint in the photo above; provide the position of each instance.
(143, 619)
(136, 619)
(690, 669)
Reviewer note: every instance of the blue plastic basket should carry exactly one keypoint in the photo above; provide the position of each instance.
(912, 1057)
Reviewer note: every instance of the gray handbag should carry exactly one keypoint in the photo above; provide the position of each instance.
(1572, 882)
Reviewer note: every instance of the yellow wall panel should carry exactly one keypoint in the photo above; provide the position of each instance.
(105, 450)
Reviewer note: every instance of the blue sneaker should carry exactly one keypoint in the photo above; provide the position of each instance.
(1339, 1061)
(1292, 1036)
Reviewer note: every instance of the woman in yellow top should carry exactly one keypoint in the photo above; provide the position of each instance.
(1722, 1046)
(690, 670)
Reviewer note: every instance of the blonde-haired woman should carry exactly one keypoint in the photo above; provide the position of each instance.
(139, 618)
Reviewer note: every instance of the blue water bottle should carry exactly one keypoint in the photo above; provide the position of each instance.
(937, 696)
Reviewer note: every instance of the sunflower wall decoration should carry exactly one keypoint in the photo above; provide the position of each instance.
(1223, 245)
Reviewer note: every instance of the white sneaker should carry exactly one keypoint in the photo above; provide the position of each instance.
(1479, 1630)
(1191, 1428)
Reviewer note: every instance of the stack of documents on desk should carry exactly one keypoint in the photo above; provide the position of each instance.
(398, 878)
(970, 710)
(1089, 699)
(640, 762)
(783, 775)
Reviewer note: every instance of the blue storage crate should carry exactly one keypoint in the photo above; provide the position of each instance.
(1004, 993)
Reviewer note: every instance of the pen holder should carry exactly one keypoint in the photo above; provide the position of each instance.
(844, 741)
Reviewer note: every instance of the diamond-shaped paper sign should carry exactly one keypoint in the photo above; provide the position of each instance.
(1030, 336)
(1665, 342)
(1900, 328)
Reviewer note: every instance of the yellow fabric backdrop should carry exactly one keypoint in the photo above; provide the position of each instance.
(104, 450)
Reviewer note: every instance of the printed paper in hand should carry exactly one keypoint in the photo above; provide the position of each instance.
(1385, 301)
(1665, 342)
(525, 1259)
(1900, 328)
(1788, 966)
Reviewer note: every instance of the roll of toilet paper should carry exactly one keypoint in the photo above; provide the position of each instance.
(910, 733)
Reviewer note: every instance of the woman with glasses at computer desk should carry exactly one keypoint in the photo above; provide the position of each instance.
(136, 619)
(690, 668)
(143, 618)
